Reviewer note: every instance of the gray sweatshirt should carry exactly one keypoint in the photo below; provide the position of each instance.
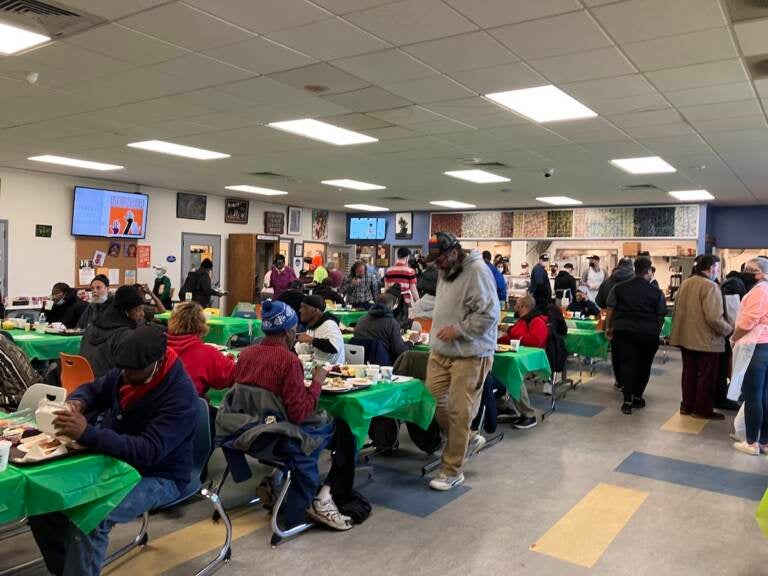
(469, 302)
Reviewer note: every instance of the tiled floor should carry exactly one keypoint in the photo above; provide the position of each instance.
(589, 491)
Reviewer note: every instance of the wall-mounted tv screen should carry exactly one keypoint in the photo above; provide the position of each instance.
(367, 228)
(110, 214)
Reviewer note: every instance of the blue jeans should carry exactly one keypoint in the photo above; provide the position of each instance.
(755, 392)
(69, 552)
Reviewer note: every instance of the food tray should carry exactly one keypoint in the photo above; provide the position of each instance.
(16, 457)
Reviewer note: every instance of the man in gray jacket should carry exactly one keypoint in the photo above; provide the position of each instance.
(463, 338)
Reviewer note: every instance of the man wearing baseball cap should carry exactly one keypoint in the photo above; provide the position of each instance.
(463, 337)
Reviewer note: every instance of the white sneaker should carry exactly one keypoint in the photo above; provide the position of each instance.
(327, 513)
(444, 482)
(751, 449)
(548, 388)
(475, 445)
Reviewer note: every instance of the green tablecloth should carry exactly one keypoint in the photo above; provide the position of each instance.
(587, 342)
(86, 488)
(666, 329)
(223, 328)
(583, 324)
(45, 346)
(348, 317)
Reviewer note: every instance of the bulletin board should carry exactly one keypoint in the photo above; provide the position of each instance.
(86, 248)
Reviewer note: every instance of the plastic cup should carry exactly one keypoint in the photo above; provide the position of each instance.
(386, 373)
(5, 453)
(373, 374)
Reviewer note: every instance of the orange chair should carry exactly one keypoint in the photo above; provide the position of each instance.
(75, 370)
(426, 324)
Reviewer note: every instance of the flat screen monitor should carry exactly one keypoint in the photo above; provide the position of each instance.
(367, 228)
(109, 214)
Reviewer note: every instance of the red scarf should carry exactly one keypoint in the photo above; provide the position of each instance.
(130, 394)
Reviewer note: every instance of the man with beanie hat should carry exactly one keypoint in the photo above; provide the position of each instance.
(323, 337)
(143, 412)
(198, 283)
(100, 299)
(115, 323)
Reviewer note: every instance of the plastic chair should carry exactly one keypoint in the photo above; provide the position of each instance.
(75, 371)
(426, 324)
(38, 392)
(212, 311)
(201, 450)
(354, 354)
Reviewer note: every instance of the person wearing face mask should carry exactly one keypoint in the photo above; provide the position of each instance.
(139, 412)
(699, 328)
(64, 307)
(281, 276)
(593, 276)
(162, 286)
(100, 299)
(463, 339)
(115, 323)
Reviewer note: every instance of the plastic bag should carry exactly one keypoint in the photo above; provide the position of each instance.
(739, 425)
(742, 356)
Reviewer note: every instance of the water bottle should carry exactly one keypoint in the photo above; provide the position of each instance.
(41, 323)
(41, 320)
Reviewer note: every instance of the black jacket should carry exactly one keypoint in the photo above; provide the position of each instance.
(584, 307)
(380, 324)
(198, 282)
(293, 298)
(618, 275)
(102, 339)
(328, 293)
(92, 312)
(564, 281)
(68, 312)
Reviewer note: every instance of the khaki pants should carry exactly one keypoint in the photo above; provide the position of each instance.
(456, 384)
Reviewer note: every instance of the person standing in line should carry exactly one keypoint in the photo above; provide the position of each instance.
(621, 273)
(754, 314)
(540, 288)
(281, 276)
(636, 311)
(565, 283)
(593, 276)
(498, 277)
(699, 328)
(401, 273)
(463, 337)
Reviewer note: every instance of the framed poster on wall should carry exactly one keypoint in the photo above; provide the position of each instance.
(404, 225)
(274, 223)
(236, 211)
(320, 224)
(298, 250)
(294, 221)
(190, 206)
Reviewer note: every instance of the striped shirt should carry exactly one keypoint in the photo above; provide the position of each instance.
(404, 275)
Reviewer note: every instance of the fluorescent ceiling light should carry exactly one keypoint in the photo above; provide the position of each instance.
(178, 150)
(542, 104)
(692, 195)
(366, 207)
(353, 184)
(452, 204)
(476, 176)
(645, 165)
(322, 131)
(558, 200)
(256, 190)
(75, 162)
(13, 39)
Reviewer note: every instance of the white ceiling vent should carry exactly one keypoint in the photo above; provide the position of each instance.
(743, 10)
(50, 18)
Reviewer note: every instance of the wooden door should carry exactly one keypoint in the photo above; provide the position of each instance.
(241, 268)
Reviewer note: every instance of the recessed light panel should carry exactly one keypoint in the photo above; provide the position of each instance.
(322, 131)
(178, 150)
(542, 104)
(75, 162)
(366, 208)
(643, 165)
(14, 39)
(353, 184)
(256, 190)
(559, 200)
(452, 204)
(476, 176)
(692, 195)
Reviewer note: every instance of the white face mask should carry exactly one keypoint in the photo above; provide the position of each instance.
(159, 273)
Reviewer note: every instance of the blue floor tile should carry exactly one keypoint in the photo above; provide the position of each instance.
(407, 493)
(566, 407)
(701, 476)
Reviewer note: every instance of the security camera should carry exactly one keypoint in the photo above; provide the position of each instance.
(32, 77)
(549, 172)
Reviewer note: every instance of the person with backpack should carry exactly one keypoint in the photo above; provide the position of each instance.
(198, 283)
(16, 375)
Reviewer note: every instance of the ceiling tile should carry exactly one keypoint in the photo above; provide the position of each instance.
(264, 16)
(528, 136)
(264, 90)
(345, 6)
(412, 21)
(601, 63)
(67, 57)
(329, 39)
(368, 100)
(489, 13)
(389, 66)
(752, 37)
(204, 67)
(722, 110)
(477, 112)
(565, 34)
(698, 75)
(684, 145)
(728, 124)
(406, 116)
(320, 75)
(589, 130)
(441, 126)
(260, 55)
(711, 94)
(463, 52)
(762, 87)
(651, 118)
(682, 50)
(290, 110)
(500, 78)
(185, 26)
(639, 103)
(659, 131)
(389, 133)
(358, 122)
(125, 44)
(637, 20)
(113, 10)
(431, 89)
(604, 88)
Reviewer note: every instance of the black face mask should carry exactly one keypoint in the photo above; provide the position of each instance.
(749, 277)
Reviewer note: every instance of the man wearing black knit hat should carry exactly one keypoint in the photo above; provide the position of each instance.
(323, 337)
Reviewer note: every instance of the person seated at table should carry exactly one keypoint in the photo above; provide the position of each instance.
(103, 338)
(100, 299)
(427, 286)
(64, 307)
(152, 303)
(401, 310)
(360, 288)
(272, 366)
(326, 292)
(294, 296)
(583, 305)
(380, 324)
(323, 337)
(140, 412)
(206, 366)
(16, 375)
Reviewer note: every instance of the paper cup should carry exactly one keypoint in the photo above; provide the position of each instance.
(5, 453)
(359, 370)
(386, 373)
(373, 374)
(425, 338)
(514, 345)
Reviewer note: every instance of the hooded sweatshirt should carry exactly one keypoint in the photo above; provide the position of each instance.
(327, 344)
(619, 274)
(67, 311)
(469, 302)
(90, 314)
(102, 339)
(380, 324)
(198, 283)
(206, 366)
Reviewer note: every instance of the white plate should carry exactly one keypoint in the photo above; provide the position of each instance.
(399, 379)
(337, 389)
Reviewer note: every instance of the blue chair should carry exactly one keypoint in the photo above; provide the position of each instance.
(201, 450)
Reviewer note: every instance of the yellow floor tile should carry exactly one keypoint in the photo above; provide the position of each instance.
(684, 424)
(586, 531)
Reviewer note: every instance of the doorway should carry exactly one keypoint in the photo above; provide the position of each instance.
(197, 247)
(3, 261)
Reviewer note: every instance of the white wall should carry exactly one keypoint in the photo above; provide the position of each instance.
(35, 264)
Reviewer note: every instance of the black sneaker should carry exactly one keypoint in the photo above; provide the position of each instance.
(626, 408)
(525, 422)
(638, 402)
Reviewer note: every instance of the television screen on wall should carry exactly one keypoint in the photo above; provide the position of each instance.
(367, 228)
(109, 214)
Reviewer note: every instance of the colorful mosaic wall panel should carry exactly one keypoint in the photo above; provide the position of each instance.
(517, 226)
(560, 224)
(535, 224)
(481, 225)
(610, 222)
(686, 221)
(447, 223)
